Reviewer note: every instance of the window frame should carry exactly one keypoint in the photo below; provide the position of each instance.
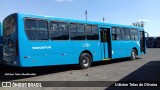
(73, 34)
(59, 31)
(36, 19)
(116, 34)
(127, 34)
(134, 33)
(91, 34)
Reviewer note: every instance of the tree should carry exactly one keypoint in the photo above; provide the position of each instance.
(139, 23)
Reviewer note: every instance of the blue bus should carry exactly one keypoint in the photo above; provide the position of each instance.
(1, 40)
(150, 42)
(35, 40)
(158, 42)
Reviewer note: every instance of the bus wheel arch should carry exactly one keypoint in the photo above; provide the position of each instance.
(135, 50)
(134, 54)
(85, 59)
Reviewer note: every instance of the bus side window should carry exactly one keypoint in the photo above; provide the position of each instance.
(116, 33)
(123, 33)
(30, 27)
(36, 29)
(80, 31)
(73, 31)
(54, 33)
(134, 34)
(59, 30)
(127, 34)
(77, 31)
(92, 32)
(64, 30)
(42, 30)
(136, 37)
(95, 35)
(88, 31)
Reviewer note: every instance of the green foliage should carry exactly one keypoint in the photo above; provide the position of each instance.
(138, 24)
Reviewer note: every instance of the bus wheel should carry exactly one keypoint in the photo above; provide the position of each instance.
(133, 54)
(85, 61)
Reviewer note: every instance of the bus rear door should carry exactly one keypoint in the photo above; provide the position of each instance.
(105, 43)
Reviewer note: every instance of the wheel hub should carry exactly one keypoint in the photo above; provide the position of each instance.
(133, 55)
(86, 62)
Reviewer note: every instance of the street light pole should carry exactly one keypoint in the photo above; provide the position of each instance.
(103, 19)
(86, 14)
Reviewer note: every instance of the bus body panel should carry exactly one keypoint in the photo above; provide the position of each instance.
(128, 48)
(91, 46)
(136, 45)
(118, 49)
(23, 43)
(124, 48)
(58, 52)
(53, 52)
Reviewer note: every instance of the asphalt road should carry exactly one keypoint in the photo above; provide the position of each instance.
(145, 68)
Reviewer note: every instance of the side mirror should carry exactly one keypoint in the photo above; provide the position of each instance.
(147, 34)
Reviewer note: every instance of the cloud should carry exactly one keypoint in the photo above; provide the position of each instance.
(64, 0)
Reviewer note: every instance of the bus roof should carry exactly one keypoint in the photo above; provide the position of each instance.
(28, 15)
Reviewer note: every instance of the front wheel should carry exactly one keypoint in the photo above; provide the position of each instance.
(85, 61)
(133, 54)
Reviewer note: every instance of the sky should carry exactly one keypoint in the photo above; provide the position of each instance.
(114, 11)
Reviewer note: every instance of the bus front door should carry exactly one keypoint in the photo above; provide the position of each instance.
(105, 43)
(142, 42)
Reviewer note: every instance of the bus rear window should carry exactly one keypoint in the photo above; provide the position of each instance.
(9, 25)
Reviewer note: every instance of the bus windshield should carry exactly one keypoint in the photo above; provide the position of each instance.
(10, 36)
(9, 25)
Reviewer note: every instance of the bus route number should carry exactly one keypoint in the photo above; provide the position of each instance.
(86, 45)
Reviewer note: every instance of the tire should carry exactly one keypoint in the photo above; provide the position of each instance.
(85, 60)
(133, 55)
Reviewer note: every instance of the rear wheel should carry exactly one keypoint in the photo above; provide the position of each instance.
(133, 54)
(85, 60)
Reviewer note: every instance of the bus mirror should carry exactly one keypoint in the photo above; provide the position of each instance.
(147, 34)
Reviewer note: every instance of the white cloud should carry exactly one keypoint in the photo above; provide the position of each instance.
(64, 0)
